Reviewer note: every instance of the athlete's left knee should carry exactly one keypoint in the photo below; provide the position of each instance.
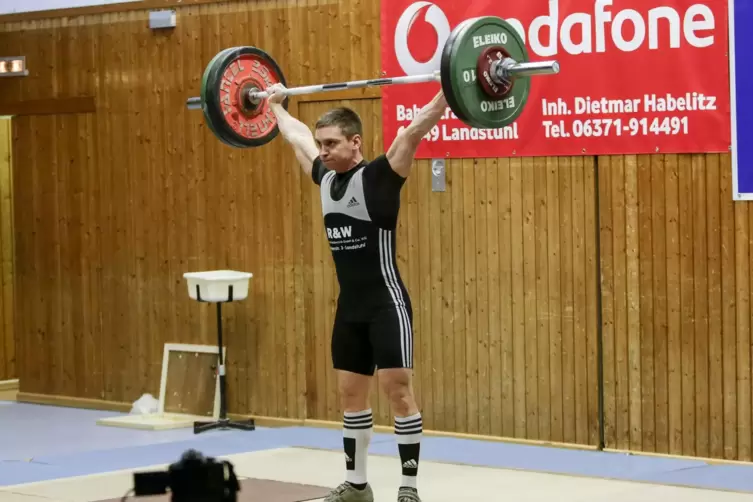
(397, 384)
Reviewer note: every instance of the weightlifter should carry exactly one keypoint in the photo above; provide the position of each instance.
(373, 322)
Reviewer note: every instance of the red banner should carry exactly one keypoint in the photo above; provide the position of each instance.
(644, 76)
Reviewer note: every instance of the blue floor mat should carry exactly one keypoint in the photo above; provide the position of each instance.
(50, 430)
(543, 459)
(16, 473)
(65, 442)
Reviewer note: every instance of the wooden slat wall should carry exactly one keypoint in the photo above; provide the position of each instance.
(112, 207)
(676, 267)
(8, 369)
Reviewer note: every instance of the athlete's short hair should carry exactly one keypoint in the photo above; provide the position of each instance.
(345, 118)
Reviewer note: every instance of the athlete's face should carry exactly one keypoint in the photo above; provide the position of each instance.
(338, 152)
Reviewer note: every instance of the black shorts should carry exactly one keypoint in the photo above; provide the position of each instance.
(384, 341)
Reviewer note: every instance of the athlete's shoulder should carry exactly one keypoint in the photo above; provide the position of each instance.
(380, 171)
(381, 161)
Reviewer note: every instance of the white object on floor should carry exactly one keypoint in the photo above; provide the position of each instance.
(152, 421)
(214, 285)
(145, 405)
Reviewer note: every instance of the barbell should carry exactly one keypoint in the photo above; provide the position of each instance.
(484, 73)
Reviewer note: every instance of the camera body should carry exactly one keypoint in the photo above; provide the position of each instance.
(194, 478)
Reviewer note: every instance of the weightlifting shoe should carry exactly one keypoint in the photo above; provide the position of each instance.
(348, 493)
(407, 494)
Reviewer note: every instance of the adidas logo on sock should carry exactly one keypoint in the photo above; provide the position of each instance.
(410, 464)
(353, 202)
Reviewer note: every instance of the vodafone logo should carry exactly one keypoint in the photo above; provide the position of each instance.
(438, 20)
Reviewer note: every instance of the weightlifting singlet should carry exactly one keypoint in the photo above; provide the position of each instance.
(374, 318)
(360, 210)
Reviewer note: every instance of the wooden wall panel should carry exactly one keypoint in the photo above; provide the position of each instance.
(58, 333)
(8, 366)
(676, 268)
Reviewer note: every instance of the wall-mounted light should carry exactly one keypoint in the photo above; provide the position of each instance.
(14, 66)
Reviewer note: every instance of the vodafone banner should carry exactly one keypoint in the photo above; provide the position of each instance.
(644, 76)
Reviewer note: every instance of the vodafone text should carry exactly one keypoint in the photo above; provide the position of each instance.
(626, 30)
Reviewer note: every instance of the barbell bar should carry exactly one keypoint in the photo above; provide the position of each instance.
(484, 72)
(501, 72)
(195, 103)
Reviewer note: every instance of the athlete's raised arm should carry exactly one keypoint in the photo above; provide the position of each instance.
(293, 130)
(403, 149)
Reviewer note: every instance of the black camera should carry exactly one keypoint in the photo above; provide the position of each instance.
(194, 478)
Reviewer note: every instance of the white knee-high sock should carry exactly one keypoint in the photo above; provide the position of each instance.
(358, 428)
(408, 431)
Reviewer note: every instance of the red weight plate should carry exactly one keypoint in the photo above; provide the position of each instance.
(240, 121)
(484, 69)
